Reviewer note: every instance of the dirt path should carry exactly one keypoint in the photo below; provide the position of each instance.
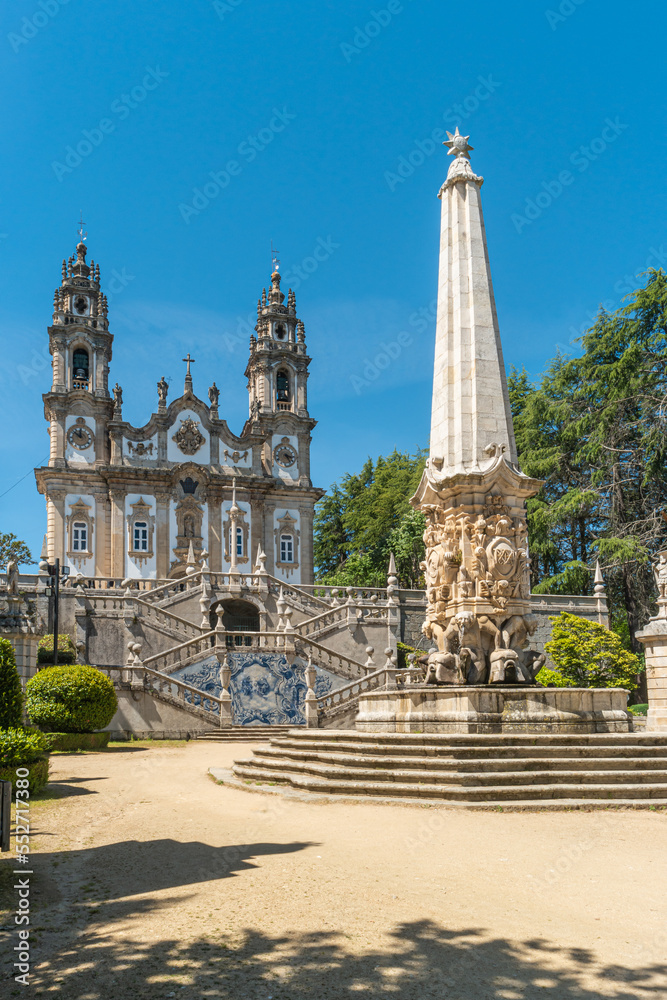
(152, 881)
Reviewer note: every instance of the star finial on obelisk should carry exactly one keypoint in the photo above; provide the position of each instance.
(460, 168)
(458, 144)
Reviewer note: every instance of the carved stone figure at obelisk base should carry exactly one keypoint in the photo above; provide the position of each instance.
(472, 491)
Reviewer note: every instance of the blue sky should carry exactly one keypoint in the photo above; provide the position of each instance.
(316, 106)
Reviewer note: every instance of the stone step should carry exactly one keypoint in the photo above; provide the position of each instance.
(457, 752)
(242, 734)
(650, 794)
(424, 776)
(453, 763)
(483, 740)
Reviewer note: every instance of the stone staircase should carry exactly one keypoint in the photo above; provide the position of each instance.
(244, 734)
(475, 771)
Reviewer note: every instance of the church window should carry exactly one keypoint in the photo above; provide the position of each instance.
(281, 332)
(80, 368)
(140, 536)
(286, 549)
(189, 485)
(283, 396)
(239, 541)
(81, 304)
(79, 536)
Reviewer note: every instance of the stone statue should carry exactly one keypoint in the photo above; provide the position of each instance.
(162, 390)
(117, 399)
(660, 573)
(12, 578)
(214, 395)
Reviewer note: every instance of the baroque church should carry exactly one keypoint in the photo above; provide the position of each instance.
(146, 502)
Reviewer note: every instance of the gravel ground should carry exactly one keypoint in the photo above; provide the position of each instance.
(152, 881)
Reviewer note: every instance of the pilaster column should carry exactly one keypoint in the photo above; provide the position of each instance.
(214, 544)
(162, 505)
(117, 498)
(58, 351)
(306, 555)
(103, 535)
(57, 542)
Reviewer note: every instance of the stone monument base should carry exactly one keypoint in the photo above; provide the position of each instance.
(493, 709)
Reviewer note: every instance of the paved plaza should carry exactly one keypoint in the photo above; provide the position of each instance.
(153, 881)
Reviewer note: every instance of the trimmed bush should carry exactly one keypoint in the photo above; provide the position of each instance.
(638, 709)
(589, 655)
(403, 651)
(72, 699)
(21, 748)
(551, 678)
(76, 741)
(11, 693)
(66, 649)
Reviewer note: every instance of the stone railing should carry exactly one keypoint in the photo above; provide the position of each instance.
(297, 597)
(343, 697)
(161, 617)
(183, 654)
(318, 624)
(173, 588)
(335, 596)
(189, 697)
(328, 659)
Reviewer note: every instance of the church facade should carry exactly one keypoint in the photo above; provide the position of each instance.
(127, 502)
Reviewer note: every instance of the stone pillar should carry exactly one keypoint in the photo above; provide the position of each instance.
(225, 696)
(58, 346)
(654, 639)
(311, 713)
(25, 652)
(162, 535)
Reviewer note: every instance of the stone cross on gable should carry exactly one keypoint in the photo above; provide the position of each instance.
(189, 361)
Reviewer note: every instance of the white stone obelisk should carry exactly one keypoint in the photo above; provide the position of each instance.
(472, 491)
(471, 408)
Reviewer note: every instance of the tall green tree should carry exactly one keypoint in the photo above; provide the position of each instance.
(365, 517)
(594, 430)
(12, 547)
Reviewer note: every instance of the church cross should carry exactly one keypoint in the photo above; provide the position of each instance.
(82, 235)
(275, 259)
(189, 361)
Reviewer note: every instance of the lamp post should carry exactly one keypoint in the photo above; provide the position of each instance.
(54, 571)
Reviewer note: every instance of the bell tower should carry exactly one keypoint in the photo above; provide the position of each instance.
(79, 338)
(78, 405)
(277, 370)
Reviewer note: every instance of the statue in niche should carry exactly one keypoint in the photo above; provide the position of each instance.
(189, 526)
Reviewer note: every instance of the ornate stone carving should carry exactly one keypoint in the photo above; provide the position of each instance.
(188, 437)
(140, 449)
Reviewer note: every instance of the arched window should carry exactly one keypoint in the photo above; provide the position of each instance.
(140, 536)
(283, 396)
(79, 536)
(80, 369)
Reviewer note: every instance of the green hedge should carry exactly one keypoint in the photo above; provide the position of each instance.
(38, 777)
(77, 741)
(23, 748)
(72, 699)
(11, 693)
(66, 649)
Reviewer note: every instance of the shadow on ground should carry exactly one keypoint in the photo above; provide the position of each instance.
(420, 961)
(134, 868)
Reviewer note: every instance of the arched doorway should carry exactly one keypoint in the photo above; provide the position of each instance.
(238, 616)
